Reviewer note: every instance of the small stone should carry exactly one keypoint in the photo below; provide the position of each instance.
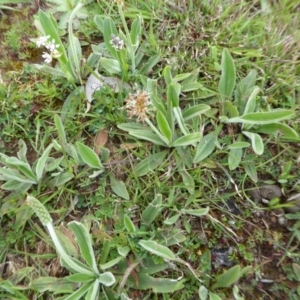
(293, 199)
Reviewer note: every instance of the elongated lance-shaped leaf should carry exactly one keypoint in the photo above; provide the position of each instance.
(256, 141)
(93, 291)
(188, 181)
(129, 224)
(157, 249)
(89, 156)
(195, 111)
(22, 166)
(40, 166)
(164, 139)
(283, 130)
(227, 80)
(189, 139)
(228, 278)
(79, 293)
(61, 130)
(260, 118)
(163, 126)
(196, 212)
(152, 210)
(74, 45)
(118, 187)
(84, 242)
(148, 136)
(180, 121)
(149, 163)
(205, 147)
(136, 28)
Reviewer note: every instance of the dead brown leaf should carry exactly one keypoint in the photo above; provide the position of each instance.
(100, 140)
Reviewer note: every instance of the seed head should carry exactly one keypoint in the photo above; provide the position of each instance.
(138, 105)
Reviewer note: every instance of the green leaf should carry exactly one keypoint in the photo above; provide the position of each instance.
(195, 111)
(205, 147)
(52, 284)
(283, 130)
(61, 130)
(188, 181)
(256, 141)
(112, 66)
(180, 121)
(171, 220)
(22, 167)
(148, 136)
(189, 139)
(238, 145)
(228, 278)
(227, 80)
(196, 212)
(84, 242)
(234, 158)
(89, 156)
(164, 126)
(251, 103)
(107, 279)
(158, 285)
(118, 187)
(93, 291)
(152, 210)
(173, 95)
(135, 32)
(149, 163)
(193, 86)
(231, 109)
(129, 224)
(243, 91)
(40, 166)
(148, 66)
(79, 293)
(260, 118)
(181, 77)
(251, 171)
(111, 263)
(296, 269)
(157, 249)
(81, 278)
(203, 292)
(213, 296)
(167, 75)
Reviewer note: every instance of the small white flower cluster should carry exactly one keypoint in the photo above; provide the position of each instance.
(50, 46)
(116, 42)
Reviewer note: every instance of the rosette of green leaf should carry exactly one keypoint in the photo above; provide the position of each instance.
(88, 275)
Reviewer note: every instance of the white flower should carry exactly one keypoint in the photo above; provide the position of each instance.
(116, 42)
(51, 46)
(42, 40)
(47, 57)
(55, 54)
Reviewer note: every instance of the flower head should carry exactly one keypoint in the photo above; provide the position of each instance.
(42, 41)
(116, 42)
(51, 46)
(47, 57)
(138, 105)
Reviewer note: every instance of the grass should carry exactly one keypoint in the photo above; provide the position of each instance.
(161, 220)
